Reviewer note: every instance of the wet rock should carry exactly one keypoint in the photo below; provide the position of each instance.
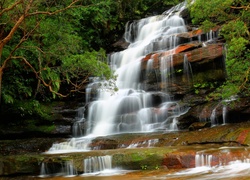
(103, 143)
(199, 125)
(25, 164)
(23, 146)
(205, 63)
(238, 110)
(120, 45)
(185, 120)
(179, 160)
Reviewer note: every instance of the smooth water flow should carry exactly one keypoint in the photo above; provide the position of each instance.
(134, 109)
(203, 160)
(65, 169)
(131, 108)
(97, 164)
(122, 112)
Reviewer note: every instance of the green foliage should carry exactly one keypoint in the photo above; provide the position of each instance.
(216, 11)
(52, 55)
(76, 65)
(29, 115)
(33, 125)
(144, 167)
(234, 19)
(207, 25)
(205, 85)
(234, 29)
(31, 108)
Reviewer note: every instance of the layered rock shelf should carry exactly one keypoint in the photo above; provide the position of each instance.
(194, 52)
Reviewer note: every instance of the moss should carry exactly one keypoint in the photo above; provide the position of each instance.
(21, 164)
(31, 125)
(211, 75)
(138, 159)
(20, 112)
(241, 135)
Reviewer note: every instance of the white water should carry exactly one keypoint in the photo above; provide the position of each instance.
(131, 109)
(235, 169)
(203, 160)
(214, 116)
(121, 112)
(66, 169)
(97, 164)
(223, 169)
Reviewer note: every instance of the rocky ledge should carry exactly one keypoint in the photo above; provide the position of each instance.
(169, 150)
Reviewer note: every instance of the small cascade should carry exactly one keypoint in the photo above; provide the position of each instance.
(224, 114)
(221, 156)
(142, 144)
(73, 145)
(203, 160)
(78, 126)
(222, 163)
(55, 169)
(167, 70)
(69, 169)
(213, 117)
(187, 70)
(208, 37)
(136, 107)
(43, 170)
(219, 114)
(97, 164)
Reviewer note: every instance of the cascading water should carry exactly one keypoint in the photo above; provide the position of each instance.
(122, 111)
(203, 160)
(134, 109)
(65, 169)
(131, 109)
(97, 164)
(217, 164)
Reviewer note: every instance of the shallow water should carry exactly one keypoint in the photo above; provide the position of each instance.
(234, 170)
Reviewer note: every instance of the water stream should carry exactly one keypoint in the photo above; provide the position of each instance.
(132, 109)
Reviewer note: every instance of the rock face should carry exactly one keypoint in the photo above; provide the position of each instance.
(171, 151)
(196, 67)
(190, 63)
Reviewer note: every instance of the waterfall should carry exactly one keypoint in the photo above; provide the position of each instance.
(97, 164)
(69, 169)
(122, 111)
(187, 69)
(78, 126)
(133, 109)
(56, 169)
(213, 117)
(216, 164)
(203, 160)
(224, 114)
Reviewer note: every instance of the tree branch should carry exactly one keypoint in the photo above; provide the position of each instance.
(17, 24)
(37, 76)
(72, 5)
(24, 38)
(241, 7)
(11, 7)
